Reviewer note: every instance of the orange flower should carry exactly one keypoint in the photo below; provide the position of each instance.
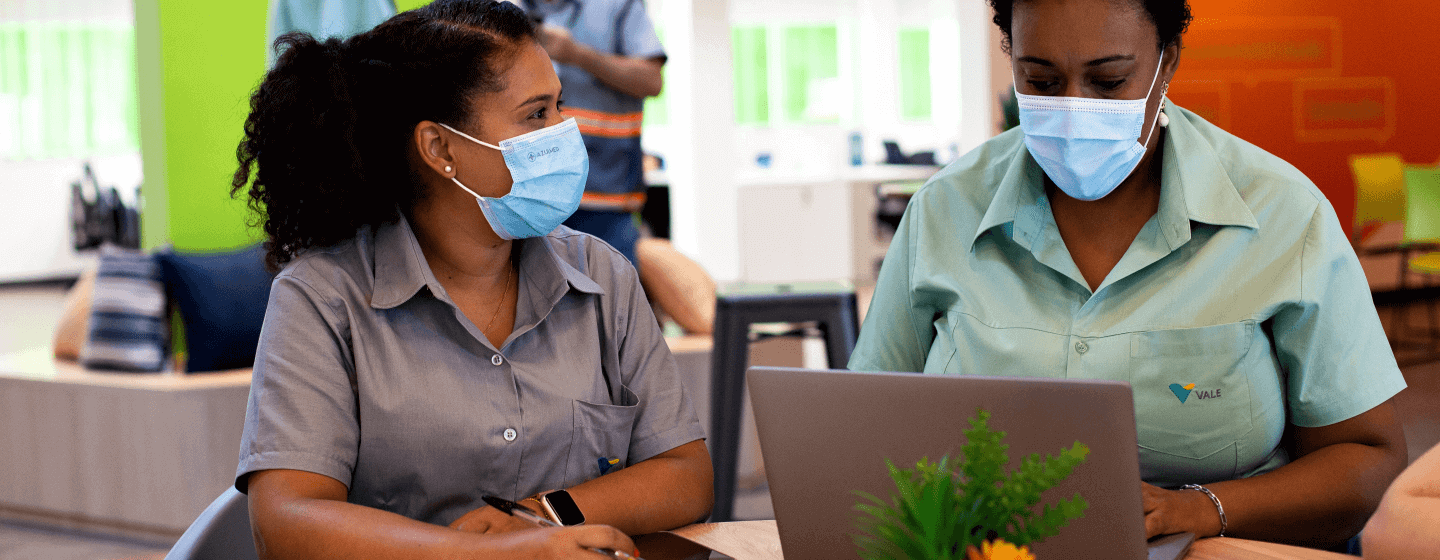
(999, 550)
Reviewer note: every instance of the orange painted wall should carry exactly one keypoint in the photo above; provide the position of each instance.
(1313, 81)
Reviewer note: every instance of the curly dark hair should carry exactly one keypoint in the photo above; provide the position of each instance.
(1171, 18)
(326, 139)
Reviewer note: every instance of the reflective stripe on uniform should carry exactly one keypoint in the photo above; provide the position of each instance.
(609, 125)
(627, 202)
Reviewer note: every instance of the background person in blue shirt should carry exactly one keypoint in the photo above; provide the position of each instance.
(1095, 241)
(609, 60)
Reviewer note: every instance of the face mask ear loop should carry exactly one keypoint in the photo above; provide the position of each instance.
(472, 139)
(467, 189)
(494, 147)
(1161, 106)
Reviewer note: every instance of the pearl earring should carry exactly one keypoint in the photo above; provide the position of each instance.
(1164, 120)
(448, 169)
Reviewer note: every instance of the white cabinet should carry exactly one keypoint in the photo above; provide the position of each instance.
(793, 233)
(803, 229)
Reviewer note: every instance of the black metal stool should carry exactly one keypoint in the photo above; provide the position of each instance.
(835, 316)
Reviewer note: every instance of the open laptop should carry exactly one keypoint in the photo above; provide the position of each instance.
(825, 434)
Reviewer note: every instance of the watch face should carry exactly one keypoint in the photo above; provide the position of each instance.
(564, 508)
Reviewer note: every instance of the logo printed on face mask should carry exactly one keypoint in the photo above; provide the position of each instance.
(542, 153)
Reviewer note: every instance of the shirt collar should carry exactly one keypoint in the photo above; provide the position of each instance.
(1194, 169)
(1020, 184)
(542, 264)
(1194, 187)
(401, 269)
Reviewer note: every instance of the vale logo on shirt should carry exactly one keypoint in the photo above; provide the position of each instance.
(1183, 392)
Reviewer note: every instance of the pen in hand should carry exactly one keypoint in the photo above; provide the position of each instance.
(522, 512)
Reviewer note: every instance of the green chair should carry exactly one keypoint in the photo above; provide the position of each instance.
(1422, 204)
(1422, 227)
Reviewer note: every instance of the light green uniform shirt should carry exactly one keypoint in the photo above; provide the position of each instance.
(1238, 307)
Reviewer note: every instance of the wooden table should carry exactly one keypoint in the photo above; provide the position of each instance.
(138, 454)
(760, 540)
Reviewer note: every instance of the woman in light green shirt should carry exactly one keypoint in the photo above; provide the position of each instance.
(1210, 275)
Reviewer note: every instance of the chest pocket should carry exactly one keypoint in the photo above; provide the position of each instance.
(973, 347)
(600, 438)
(1192, 401)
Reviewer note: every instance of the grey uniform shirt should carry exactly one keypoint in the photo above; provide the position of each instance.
(369, 374)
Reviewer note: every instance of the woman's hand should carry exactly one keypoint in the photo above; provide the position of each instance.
(490, 520)
(570, 542)
(1318, 500)
(1178, 511)
(544, 542)
(298, 514)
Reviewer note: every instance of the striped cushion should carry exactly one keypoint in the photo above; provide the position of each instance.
(127, 313)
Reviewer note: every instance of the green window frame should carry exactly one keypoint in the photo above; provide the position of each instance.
(812, 53)
(67, 89)
(750, 58)
(914, 53)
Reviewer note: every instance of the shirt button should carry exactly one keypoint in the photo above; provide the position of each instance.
(509, 434)
(497, 360)
(1081, 347)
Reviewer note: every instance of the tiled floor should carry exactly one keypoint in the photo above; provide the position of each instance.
(27, 542)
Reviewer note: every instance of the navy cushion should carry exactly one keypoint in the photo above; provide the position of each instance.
(127, 313)
(222, 299)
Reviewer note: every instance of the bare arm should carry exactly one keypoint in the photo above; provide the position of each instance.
(297, 514)
(75, 317)
(1320, 499)
(672, 489)
(1407, 525)
(636, 77)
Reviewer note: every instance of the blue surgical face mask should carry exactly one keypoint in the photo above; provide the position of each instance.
(1086, 146)
(549, 168)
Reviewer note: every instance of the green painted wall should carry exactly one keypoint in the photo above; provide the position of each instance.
(198, 63)
(402, 5)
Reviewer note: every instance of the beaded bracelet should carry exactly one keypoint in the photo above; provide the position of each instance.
(543, 510)
(1219, 508)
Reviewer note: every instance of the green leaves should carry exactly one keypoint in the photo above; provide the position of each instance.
(941, 508)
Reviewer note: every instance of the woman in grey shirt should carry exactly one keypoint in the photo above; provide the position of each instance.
(433, 336)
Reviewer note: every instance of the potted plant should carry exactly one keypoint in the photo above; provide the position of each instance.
(969, 509)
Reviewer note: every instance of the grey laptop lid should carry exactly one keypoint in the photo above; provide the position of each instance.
(825, 434)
